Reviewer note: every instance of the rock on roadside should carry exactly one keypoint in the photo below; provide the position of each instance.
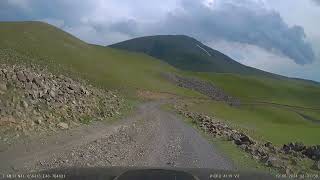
(63, 125)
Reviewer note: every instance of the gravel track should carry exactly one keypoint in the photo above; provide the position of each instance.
(150, 137)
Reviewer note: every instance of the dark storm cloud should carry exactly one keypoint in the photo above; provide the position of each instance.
(244, 24)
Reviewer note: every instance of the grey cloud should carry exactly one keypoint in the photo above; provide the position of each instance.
(260, 58)
(236, 21)
(316, 1)
(67, 10)
(129, 27)
(263, 28)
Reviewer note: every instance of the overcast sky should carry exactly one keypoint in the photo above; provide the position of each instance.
(277, 36)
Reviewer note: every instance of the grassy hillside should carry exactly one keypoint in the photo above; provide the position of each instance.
(59, 51)
(247, 83)
(274, 124)
(277, 123)
(250, 88)
(297, 119)
(186, 53)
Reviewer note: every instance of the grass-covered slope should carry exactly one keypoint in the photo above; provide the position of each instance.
(263, 89)
(274, 124)
(47, 45)
(291, 111)
(186, 53)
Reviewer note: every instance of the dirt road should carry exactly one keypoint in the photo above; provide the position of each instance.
(149, 137)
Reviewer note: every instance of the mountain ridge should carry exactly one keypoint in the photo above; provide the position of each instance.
(187, 53)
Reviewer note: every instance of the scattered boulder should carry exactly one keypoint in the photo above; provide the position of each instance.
(37, 94)
(298, 147)
(24, 104)
(38, 121)
(275, 162)
(238, 142)
(29, 76)
(289, 171)
(244, 147)
(300, 150)
(316, 165)
(203, 87)
(240, 138)
(52, 93)
(3, 86)
(63, 125)
(245, 139)
(37, 81)
(313, 152)
(268, 144)
(21, 77)
(286, 148)
(261, 151)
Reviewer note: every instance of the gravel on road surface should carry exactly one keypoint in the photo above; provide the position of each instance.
(150, 137)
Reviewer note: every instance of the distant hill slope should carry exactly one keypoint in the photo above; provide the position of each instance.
(241, 81)
(187, 53)
(41, 43)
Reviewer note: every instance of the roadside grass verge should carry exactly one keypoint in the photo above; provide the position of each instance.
(250, 88)
(240, 159)
(277, 125)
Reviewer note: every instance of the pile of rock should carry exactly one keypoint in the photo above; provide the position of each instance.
(284, 159)
(299, 149)
(203, 87)
(33, 99)
(216, 128)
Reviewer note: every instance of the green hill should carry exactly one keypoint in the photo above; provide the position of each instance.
(247, 83)
(273, 107)
(47, 45)
(188, 54)
(263, 89)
